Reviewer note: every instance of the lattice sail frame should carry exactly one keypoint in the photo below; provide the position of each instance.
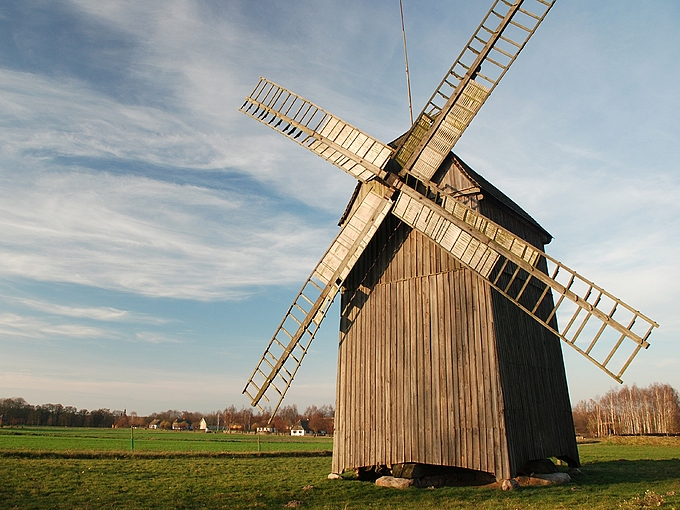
(486, 58)
(347, 147)
(281, 359)
(511, 265)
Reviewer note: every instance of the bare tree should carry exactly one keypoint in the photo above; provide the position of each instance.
(630, 411)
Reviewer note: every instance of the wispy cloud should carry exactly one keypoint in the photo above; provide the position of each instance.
(668, 363)
(45, 117)
(156, 338)
(193, 58)
(58, 326)
(13, 325)
(149, 237)
(66, 221)
(126, 170)
(104, 314)
(100, 313)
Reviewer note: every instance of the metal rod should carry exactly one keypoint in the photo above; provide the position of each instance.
(408, 79)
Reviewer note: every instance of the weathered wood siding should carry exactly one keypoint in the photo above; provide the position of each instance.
(538, 413)
(436, 368)
(418, 379)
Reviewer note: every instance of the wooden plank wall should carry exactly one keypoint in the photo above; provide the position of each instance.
(418, 379)
(537, 405)
(435, 368)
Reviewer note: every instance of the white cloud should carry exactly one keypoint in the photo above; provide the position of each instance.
(565, 135)
(49, 117)
(102, 313)
(18, 326)
(668, 363)
(156, 338)
(96, 313)
(199, 56)
(153, 238)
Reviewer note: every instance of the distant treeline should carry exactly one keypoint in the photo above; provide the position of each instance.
(627, 411)
(17, 412)
(630, 411)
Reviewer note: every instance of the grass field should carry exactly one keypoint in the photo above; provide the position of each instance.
(86, 468)
(56, 439)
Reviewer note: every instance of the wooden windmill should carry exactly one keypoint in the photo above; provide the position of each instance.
(449, 343)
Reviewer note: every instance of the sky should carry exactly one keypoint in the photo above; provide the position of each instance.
(152, 236)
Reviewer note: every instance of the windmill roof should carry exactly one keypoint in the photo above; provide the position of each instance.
(493, 191)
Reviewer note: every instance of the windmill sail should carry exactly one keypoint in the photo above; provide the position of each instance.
(279, 363)
(486, 58)
(333, 139)
(598, 325)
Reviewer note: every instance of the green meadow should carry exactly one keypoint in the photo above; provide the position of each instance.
(83, 440)
(92, 468)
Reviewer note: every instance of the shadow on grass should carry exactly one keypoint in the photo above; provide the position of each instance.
(618, 471)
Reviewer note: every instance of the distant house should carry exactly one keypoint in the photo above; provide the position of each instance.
(154, 424)
(180, 425)
(266, 430)
(301, 428)
(203, 425)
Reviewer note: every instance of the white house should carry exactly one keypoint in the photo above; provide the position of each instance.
(301, 428)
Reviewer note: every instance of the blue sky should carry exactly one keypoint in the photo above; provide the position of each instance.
(152, 236)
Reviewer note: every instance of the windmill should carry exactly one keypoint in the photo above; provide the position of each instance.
(450, 350)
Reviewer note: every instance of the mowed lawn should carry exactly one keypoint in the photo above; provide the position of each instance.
(62, 468)
(56, 439)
